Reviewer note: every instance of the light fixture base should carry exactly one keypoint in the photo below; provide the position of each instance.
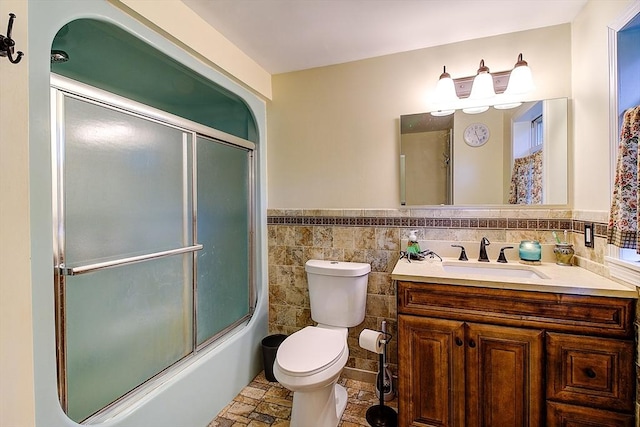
(463, 84)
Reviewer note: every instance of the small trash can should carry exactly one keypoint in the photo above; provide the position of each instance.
(270, 346)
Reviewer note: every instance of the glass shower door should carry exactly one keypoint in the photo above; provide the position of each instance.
(125, 251)
(153, 245)
(223, 228)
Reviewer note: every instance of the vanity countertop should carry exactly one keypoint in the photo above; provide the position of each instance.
(560, 279)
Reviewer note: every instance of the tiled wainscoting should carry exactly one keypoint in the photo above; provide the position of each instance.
(374, 236)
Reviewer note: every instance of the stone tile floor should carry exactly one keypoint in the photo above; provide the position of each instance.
(263, 403)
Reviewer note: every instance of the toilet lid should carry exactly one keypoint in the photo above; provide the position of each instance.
(310, 350)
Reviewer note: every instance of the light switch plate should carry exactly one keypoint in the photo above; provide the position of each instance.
(588, 235)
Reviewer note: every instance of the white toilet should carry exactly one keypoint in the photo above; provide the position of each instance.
(309, 362)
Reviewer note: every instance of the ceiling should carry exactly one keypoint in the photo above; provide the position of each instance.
(290, 35)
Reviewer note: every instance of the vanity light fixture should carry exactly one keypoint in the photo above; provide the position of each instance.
(445, 94)
(475, 94)
(521, 79)
(520, 83)
(481, 90)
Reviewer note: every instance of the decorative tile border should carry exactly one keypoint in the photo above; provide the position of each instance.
(600, 229)
(490, 223)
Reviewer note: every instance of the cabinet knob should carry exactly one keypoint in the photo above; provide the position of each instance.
(459, 342)
(472, 343)
(590, 373)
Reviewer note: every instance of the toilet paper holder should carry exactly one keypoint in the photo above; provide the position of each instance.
(376, 341)
(373, 341)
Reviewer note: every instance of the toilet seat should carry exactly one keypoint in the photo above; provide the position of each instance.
(310, 350)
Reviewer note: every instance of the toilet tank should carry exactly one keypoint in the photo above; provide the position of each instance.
(337, 291)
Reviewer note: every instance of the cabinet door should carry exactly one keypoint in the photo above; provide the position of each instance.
(431, 367)
(504, 369)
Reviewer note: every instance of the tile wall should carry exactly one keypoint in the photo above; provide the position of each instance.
(374, 236)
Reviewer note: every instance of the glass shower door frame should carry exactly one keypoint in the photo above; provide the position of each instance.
(64, 88)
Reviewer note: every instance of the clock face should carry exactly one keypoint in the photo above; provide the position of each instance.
(476, 134)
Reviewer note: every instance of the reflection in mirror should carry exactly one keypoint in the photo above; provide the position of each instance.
(425, 159)
(498, 157)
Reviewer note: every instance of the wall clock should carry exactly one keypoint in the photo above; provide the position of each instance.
(476, 134)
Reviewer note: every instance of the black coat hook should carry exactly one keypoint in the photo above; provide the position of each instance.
(7, 44)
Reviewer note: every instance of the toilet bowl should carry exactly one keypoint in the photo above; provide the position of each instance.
(309, 362)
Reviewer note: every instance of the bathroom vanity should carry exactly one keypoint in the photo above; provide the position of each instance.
(480, 348)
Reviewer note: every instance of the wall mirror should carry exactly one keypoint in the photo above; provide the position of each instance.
(498, 157)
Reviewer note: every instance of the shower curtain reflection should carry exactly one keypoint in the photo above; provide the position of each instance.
(526, 180)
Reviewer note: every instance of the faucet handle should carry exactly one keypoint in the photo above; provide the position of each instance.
(501, 257)
(463, 253)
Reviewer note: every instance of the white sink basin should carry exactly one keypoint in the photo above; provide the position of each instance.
(492, 269)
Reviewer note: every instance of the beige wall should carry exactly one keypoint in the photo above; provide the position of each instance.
(556, 158)
(477, 177)
(333, 131)
(179, 23)
(590, 85)
(16, 333)
(344, 116)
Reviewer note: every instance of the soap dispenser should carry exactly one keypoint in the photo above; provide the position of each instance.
(413, 248)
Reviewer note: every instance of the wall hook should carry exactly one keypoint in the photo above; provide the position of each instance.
(7, 44)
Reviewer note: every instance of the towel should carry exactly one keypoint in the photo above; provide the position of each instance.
(622, 229)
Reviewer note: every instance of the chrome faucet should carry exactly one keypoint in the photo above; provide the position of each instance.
(483, 250)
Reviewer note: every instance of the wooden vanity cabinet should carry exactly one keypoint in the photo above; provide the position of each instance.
(474, 356)
(461, 374)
